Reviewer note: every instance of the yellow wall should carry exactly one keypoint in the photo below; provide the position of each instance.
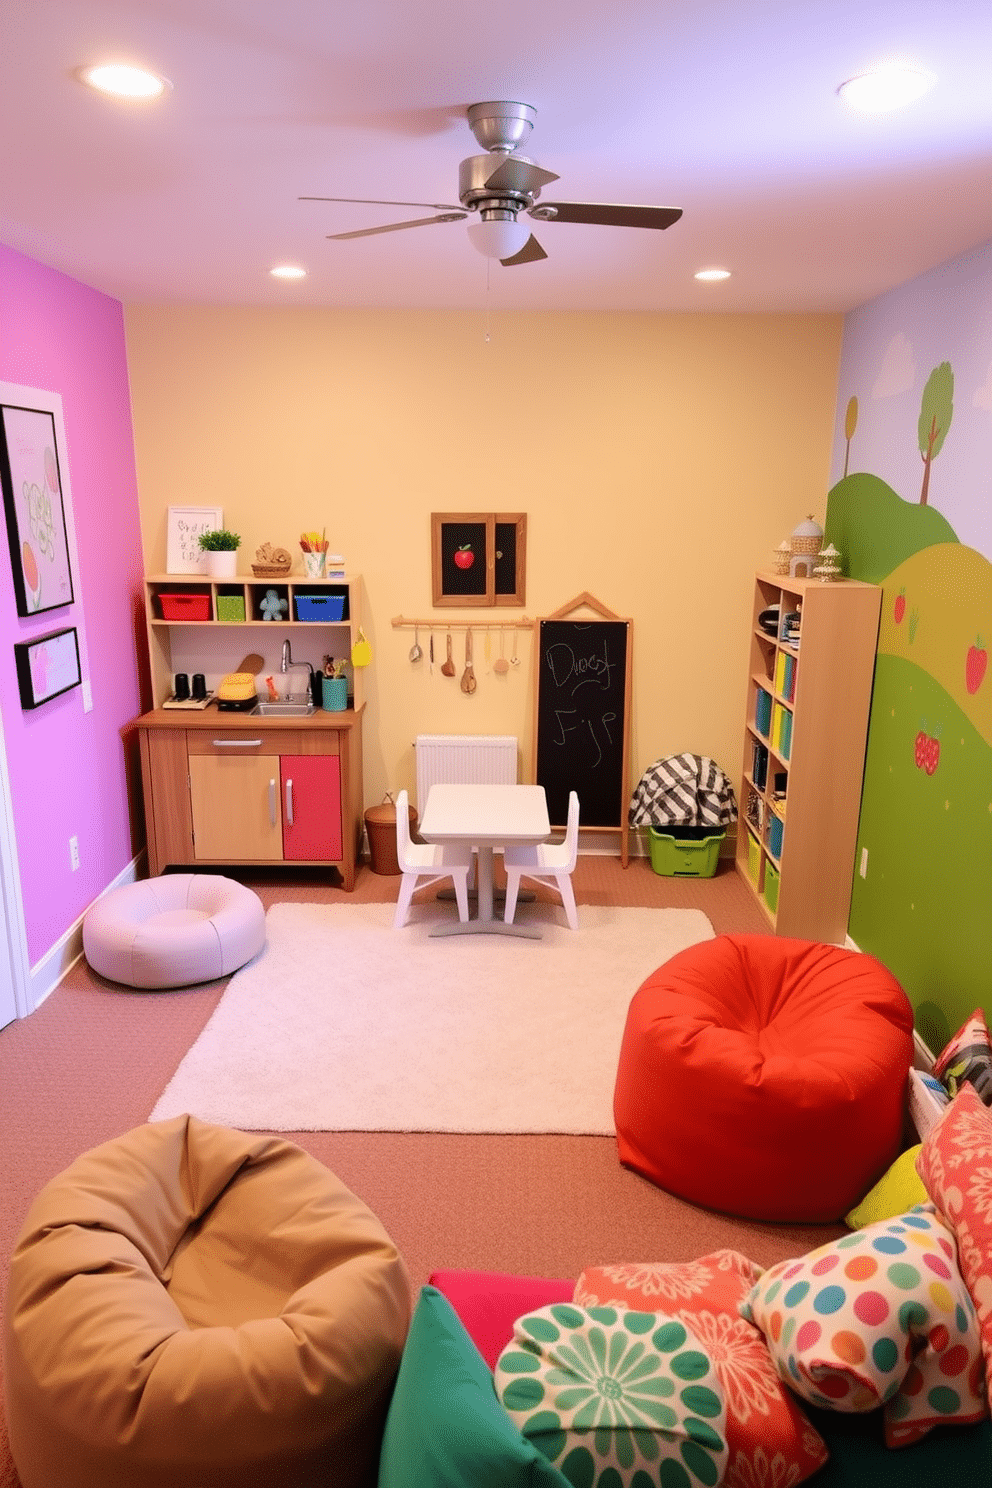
(659, 459)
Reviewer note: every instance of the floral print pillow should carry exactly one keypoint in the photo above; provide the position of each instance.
(956, 1166)
(615, 1399)
(769, 1438)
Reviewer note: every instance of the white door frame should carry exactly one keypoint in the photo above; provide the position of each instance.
(14, 969)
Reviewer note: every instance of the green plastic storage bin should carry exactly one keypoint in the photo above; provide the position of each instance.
(230, 607)
(771, 887)
(684, 857)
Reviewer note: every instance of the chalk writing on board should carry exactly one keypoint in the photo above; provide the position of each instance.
(581, 709)
(183, 552)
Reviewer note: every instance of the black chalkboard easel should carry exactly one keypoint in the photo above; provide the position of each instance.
(583, 672)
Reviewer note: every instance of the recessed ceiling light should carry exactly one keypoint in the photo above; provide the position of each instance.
(884, 88)
(288, 271)
(710, 276)
(121, 80)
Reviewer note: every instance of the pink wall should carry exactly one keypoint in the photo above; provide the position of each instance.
(69, 770)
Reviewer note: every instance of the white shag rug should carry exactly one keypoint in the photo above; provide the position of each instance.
(344, 1024)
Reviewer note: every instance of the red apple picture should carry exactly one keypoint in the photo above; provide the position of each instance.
(933, 756)
(899, 608)
(976, 662)
(922, 744)
(464, 557)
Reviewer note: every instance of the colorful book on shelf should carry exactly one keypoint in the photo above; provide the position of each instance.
(781, 734)
(762, 710)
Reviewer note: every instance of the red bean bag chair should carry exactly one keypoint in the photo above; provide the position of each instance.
(765, 1077)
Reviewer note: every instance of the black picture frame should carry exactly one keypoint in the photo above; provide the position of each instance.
(31, 477)
(47, 667)
(495, 573)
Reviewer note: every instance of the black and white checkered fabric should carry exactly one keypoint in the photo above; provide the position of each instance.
(685, 790)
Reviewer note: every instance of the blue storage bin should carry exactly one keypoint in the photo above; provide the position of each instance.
(776, 826)
(327, 608)
(762, 711)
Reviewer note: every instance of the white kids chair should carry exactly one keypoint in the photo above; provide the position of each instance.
(546, 860)
(423, 863)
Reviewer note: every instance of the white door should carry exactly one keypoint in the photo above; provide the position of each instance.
(8, 1007)
(13, 947)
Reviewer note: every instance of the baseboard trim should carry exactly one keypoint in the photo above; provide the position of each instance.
(57, 963)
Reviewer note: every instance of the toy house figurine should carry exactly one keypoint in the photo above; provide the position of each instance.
(804, 545)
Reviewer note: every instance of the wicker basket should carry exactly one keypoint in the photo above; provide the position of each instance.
(271, 570)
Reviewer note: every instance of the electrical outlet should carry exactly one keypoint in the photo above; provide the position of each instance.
(863, 866)
(74, 853)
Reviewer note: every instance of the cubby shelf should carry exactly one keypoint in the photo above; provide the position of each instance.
(806, 728)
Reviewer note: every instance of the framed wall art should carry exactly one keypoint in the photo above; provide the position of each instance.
(478, 558)
(183, 553)
(47, 666)
(31, 475)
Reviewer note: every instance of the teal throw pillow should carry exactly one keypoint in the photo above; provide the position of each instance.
(446, 1428)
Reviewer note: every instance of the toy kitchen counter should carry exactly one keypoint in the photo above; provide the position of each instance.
(257, 788)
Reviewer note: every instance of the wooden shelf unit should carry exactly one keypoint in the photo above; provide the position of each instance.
(815, 743)
(215, 646)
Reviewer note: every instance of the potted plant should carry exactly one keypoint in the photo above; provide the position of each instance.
(221, 548)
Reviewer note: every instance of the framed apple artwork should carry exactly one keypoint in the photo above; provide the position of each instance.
(478, 558)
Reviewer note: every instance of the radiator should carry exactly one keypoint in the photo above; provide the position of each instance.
(464, 759)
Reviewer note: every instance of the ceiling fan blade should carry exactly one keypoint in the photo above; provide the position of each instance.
(606, 214)
(370, 232)
(531, 252)
(517, 174)
(365, 201)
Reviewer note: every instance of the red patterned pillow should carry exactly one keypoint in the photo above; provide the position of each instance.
(769, 1437)
(955, 1163)
(968, 1056)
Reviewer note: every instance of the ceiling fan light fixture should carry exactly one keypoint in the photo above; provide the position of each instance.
(288, 271)
(122, 80)
(882, 89)
(711, 276)
(499, 237)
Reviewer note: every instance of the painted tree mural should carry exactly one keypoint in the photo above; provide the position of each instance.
(850, 424)
(936, 412)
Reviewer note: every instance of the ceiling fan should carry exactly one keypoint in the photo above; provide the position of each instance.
(500, 186)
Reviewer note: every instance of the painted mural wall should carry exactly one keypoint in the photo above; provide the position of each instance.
(910, 509)
(68, 768)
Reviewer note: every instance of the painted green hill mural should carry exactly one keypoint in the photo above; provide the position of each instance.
(926, 816)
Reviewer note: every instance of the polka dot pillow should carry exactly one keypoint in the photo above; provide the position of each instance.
(615, 1399)
(769, 1438)
(880, 1317)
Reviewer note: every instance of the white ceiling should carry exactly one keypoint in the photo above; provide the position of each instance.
(727, 109)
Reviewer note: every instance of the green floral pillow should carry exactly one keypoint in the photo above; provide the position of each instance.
(615, 1398)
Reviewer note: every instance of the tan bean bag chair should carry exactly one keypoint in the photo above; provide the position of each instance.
(194, 1307)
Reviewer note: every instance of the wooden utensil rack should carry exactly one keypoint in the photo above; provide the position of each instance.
(400, 622)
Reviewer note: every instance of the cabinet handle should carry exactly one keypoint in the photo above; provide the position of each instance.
(272, 802)
(289, 803)
(236, 743)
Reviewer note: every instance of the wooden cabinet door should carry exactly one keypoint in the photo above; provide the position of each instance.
(235, 801)
(311, 807)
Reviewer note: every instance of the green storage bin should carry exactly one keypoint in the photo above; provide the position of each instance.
(675, 856)
(230, 607)
(753, 860)
(771, 887)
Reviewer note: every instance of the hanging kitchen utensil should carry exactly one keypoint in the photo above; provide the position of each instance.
(432, 652)
(415, 652)
(361, 651)
(468, 683)
(515, 659)
(448, 666)
(501, 664)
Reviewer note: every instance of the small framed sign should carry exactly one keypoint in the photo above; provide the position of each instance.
(32, 474)
(183, 553)
(47, 666)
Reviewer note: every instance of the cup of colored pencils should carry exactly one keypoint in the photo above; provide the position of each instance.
(314, 547)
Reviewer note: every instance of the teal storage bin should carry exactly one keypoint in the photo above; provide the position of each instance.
(680, 854)
(335, 692)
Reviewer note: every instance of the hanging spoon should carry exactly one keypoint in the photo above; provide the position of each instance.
(432, 652)
(514, 659)
(501, 664)
(415, 652)
(448, 666)
(468, 683)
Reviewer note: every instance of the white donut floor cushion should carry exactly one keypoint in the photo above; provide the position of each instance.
(174, 931)
(191, 1305)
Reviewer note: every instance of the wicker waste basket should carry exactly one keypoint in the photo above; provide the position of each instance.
(380, 824)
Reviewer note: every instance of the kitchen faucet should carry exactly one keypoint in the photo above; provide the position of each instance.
(287, 662)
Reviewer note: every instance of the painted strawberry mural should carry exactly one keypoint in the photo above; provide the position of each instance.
(975, 663)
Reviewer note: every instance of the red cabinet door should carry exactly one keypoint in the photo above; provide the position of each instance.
(311, 807)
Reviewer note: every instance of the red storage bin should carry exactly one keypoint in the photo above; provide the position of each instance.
(185, 606)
